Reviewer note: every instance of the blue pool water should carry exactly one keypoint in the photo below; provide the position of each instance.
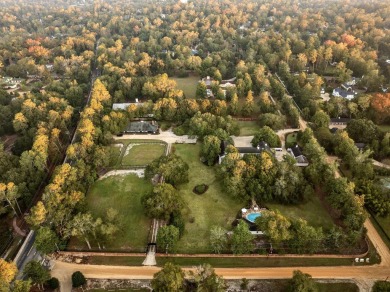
(252, 216)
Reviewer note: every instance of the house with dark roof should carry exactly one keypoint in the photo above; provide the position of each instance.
(300, 159)
(261, 147)
(339, 121)
(341, 92)
(142, 127)
(360, 146)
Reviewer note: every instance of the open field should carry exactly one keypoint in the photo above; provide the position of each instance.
(214, 207)
(122, 193)
(248, 128)
(142, 154)
(187, 84)
(312, 211)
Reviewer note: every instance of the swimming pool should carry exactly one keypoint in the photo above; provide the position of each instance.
(251, 217)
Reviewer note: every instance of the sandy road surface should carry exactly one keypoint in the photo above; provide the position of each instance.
(166, 136)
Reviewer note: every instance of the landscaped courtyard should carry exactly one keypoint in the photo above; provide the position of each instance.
(214, 207)
(122, 193)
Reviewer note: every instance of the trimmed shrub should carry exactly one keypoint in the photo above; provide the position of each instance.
(200, 189)
(78, 279)
(53, 283)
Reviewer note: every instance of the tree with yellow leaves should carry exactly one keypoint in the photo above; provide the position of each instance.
(9, 194)
(8, 271)
(37, 214)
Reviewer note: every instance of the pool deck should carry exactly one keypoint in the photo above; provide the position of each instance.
(251, 211)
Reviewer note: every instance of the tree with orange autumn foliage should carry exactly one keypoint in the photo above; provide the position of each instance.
(380, 102)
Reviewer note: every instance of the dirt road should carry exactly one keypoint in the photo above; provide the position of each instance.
(166, 136)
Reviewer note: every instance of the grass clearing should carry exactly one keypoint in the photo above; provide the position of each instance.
(142, 154)
(187, 84)
(291, 139)
(122, 193)
(312, 211)
(382, 225)
(214, 207)
(248, 128)
(384, 128)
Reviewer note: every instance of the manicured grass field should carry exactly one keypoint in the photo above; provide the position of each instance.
(312, 211)
(188, 85)
(248, 128)
(122, 193)
(143, 154)
(291, 138)
(214, 207)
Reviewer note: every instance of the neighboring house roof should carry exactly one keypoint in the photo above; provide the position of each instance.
(120, 106)
(299, 157)
(296, 151)
(249, 150)
(360, 146)
(208, 80)
(263, 146)
(343, 93)
(124, 106)
(339, 120)
(142, 127)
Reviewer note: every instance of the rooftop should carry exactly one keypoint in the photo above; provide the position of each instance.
(142, 127)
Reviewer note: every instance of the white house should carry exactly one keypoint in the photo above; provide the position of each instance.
(340, 92)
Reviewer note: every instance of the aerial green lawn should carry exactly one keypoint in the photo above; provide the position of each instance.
(312, 211)
(214, 207)
(115, 153)
(291, 138)
(385, 223)
(122, 193)
(384, 128)
(142, 153)
(188, 85)
(248, 128)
